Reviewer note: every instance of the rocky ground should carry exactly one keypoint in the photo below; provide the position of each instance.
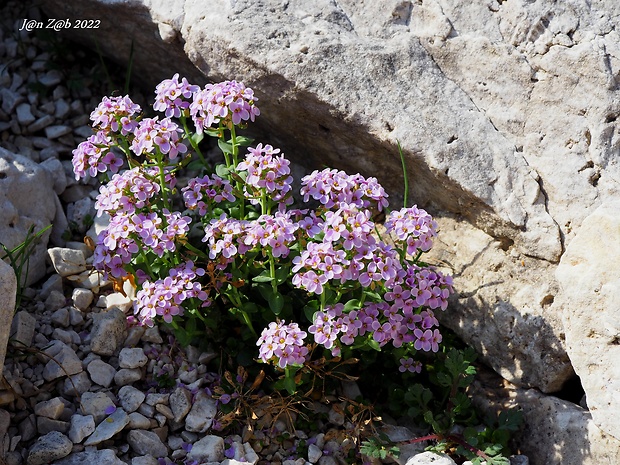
(80, 384)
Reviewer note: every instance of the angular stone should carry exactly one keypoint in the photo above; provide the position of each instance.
(208, 449)
(82, 298)
(126, 376)
(92, 457)
(101, 372)
(109, 427)
(10, 100)
(95, 404)
(108, 332)
(132, 358)
(47, 425)
(130, 398)
(146, 442)
(52, 408)
(180, 403)
(76, 385)
(81, 426)
(48, 448)
(22, 327)
(24, 115)
(54, 132)
(40, 124)
(200, 418)
(67, 261)
(138, 421)
(63, 361)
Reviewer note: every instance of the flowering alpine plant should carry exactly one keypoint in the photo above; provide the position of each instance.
(227, 247)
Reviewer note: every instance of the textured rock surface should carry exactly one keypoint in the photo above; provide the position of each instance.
(590, 277)
(505, 110)
(554, 432)
(27, 199)
(8, 289)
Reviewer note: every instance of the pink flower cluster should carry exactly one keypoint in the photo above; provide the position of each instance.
(414, 227)
(229, 237)
(172, 97)
(284, 342)
(333, 327)
(165, 297)
(114, 113)
(332, 187)
(267, 172)
(152, 134)
(221, 102)
(94, 156)
(203, 193)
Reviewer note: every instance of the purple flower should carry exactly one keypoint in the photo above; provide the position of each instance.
(414, 227)
(284, 343)
(229, 453)
(408, 364)
(114, 113)
(223, 102)
(110, 409)
(152, 134)
(172, 97)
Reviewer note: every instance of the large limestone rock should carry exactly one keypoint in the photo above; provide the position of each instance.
(505, 110)
(27, 199)
(554, 431)
(8, 289)
(590, 277)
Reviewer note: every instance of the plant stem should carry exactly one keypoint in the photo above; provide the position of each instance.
(402, 160)
(192, 142)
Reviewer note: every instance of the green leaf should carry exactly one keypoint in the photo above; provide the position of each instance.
(282, 274)
(197, 138)
(195, 165)
(222, 171)
(353, 304)
(276, 303)
(244, 141)
(310, 309)
(224, 146)
(262, 278)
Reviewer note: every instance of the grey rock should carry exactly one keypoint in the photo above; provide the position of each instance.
(53, 283)
(138, 421)
(10, 100)
(109, 332)
(130, 398)
(67, 261)
(314, 453)
(144, 460)
(80, 213)
(132, 358)
(92, 457)
(200, 418)
(180, 403)
(47, 425)
(40, 124)
(101, 372)
(22, 327)
(27, 428)
(52, 446)
(52, 408)
(76, 385)
(24, 115)
(27, 199)
(63, 361)
(51, 78)
(57, 171)
(109, 427)
(82, 298)
(8, 290)
(146, 442)
(61, 316)
(55, 301)
(56, 131)
(95, 404)
(81, 426)
(61, 109)
(208, 449)
(126, 376)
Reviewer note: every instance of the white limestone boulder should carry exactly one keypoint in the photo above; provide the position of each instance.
(589, 274)
(27, 199)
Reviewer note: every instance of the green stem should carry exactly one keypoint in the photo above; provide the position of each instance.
(162, 179)
(194, 144)
(198, 252)
(402, 160)
(272, 272)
